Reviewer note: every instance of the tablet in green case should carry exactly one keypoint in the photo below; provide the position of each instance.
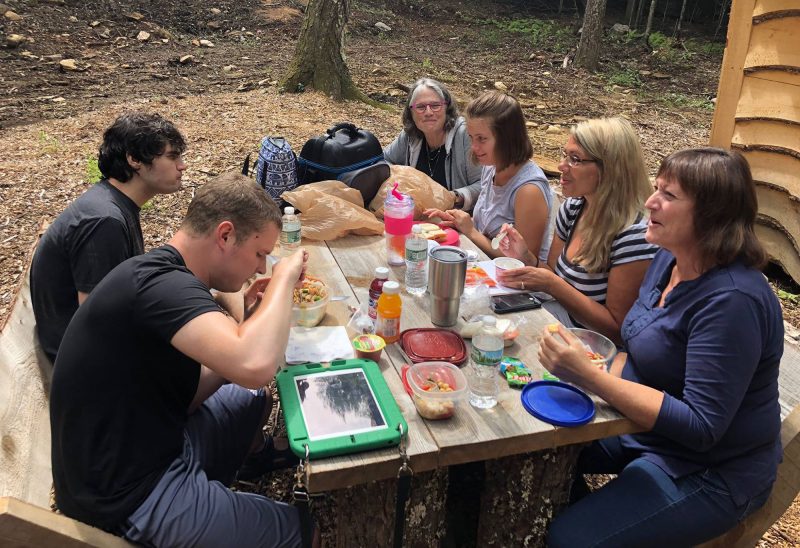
(344, 408)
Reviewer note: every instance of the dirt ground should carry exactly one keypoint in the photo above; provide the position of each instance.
(81, 63)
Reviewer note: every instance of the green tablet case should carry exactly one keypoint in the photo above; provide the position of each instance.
(386, 435)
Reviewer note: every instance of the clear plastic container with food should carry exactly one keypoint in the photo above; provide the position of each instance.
(436, 388)
(310, 302)
(599, 348)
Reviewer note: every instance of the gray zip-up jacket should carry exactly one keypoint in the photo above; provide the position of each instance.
(462, 175)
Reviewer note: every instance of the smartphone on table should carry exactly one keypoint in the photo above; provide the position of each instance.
(516, 302)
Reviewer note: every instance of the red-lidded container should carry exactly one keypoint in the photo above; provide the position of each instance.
(431, 344)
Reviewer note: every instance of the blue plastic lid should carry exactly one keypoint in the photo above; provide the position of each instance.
(558, 403)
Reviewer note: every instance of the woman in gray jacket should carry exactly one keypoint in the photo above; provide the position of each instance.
(434, 140)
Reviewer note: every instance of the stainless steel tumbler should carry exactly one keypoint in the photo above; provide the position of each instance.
(447, 270)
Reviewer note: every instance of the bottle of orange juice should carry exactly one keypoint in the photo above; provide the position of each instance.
(389, 308)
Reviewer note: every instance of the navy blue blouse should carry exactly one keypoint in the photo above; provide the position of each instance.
(714, 349)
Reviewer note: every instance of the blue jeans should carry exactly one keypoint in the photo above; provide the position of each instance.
(644, 506)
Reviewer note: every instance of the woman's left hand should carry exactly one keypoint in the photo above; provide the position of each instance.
(462, 221)
(527, 277)
(563, 355)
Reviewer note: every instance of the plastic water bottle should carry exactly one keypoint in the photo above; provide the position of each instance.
(487, 351)
(290, 233)
(416, 262)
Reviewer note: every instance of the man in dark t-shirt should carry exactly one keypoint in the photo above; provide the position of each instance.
(144, 437)
(139, 158)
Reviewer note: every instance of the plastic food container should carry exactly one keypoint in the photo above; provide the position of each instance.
(507, 263)
(599, 347)
(369, 347)
(432, 344)
(310, 314)
(436, 387)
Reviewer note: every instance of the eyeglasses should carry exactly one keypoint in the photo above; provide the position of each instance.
(575, 161)
(421, 107)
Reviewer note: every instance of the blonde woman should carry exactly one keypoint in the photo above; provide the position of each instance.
(598, 255)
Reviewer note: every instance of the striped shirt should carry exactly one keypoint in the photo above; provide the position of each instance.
(628, 246)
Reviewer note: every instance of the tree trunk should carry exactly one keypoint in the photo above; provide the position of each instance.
(650, 15)
(680, 17)
(588, 54)
(630, 9)
(319, 56)
(638, 14)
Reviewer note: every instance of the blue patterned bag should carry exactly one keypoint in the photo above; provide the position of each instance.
(276, 167)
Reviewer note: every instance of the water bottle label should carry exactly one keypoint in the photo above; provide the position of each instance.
(486, 357)
(292, 236)
(416, 255)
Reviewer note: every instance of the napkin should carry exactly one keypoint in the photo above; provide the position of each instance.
(318, 344)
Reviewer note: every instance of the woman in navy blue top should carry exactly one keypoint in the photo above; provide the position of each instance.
(704, 341)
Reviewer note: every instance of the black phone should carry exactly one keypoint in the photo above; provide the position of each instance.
(503, 304)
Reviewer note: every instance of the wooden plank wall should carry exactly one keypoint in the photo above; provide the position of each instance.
(758, 113)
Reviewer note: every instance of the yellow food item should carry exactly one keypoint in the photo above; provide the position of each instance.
(432, 232)
(434, 410)
(553, 328)
(313, 290)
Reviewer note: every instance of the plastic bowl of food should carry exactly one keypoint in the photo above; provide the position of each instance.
(310, 302)
(436, 387)
(599, 348)
(507, 263)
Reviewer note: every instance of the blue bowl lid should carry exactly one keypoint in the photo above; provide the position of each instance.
(557, 403)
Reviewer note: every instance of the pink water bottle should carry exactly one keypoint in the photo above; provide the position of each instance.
(398, 216)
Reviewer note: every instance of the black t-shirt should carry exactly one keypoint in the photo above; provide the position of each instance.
(431, 163)
(120, 390)
(94, 234)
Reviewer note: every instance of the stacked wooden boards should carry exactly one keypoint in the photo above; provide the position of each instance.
(758, 113)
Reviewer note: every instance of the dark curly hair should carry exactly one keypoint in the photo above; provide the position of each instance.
(143, 136)
(451, 111)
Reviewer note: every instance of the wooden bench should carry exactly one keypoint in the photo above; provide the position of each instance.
(23, 525)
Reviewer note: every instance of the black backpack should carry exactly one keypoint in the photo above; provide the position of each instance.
(345, 153)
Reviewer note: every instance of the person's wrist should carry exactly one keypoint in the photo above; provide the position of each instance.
(458, 200)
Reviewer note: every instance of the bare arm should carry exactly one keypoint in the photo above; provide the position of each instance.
(82, 297)
(530, 218)
(564, 355)
(208, 384)
(250, 353)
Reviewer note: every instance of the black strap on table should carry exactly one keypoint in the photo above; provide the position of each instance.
(404, 475)
(301, 501)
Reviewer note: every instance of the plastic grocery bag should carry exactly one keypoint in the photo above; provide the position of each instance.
(330, 210)
(426, 192)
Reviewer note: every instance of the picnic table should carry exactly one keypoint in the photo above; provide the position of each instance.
(528, 462)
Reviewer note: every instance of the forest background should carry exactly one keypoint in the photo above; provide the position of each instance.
(217, 68)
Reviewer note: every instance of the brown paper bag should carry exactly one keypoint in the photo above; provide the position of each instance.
(426, 192)
(330, 210)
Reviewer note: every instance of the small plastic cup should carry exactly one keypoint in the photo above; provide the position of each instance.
(369, 347)
(506, 263)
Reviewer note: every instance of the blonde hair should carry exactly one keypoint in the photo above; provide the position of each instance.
(622, 188)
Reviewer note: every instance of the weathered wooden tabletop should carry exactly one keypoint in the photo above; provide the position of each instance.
(347, 266)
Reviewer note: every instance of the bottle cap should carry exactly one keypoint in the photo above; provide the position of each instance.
(391, 288)
(416, 229)
(381, 272)
(288, 210)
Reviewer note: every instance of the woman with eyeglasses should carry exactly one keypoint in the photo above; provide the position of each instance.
(598, 254)
(434, 140)
(513, 188)
(704, 343)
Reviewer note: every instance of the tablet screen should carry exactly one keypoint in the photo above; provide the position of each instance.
(338, 403)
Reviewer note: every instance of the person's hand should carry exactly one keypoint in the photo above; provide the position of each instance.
(254, 294)
(527, 277)
(443, 215)
(293, 267)
(462, 221)
(513, 245)
(563, 355)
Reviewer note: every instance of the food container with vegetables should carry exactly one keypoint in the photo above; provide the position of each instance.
(599, 348)
(435, 387)
(310, 302)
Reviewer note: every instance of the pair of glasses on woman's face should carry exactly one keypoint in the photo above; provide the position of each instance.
(574, 160)
(422, 107)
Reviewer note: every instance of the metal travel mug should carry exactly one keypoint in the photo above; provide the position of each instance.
(447, 271)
